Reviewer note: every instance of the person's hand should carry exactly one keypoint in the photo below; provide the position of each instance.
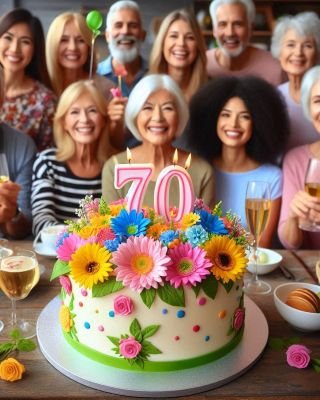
(305, 207)
(8, 200)
(116, 108)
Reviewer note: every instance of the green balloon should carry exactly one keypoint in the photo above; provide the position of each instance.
(94, 20)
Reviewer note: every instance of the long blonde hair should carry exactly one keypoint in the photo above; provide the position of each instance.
(158, 64)
(64, 142)
(54, 35)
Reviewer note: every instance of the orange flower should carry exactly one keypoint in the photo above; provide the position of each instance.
(155, 230)
(11, 370)
(65, 318)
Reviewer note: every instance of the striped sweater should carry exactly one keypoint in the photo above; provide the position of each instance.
(56, 191)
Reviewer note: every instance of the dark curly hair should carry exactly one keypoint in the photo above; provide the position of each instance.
(265, 104)
(37, 68)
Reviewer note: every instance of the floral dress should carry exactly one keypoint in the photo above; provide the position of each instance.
(32, 113)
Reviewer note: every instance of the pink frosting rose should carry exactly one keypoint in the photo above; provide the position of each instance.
(129, 348)
(65, 283)
(298, 356)
(238, 318)
(123, 305)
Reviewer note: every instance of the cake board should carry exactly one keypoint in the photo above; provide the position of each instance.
(151, 384)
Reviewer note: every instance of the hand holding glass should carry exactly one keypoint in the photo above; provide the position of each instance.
(257, 206)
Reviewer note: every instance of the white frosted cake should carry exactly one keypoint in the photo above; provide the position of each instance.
(142, 294)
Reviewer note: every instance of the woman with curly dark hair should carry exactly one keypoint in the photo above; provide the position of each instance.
(241, 126)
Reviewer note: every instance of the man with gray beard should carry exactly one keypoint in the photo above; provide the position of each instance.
(233, 22)
(124, 35)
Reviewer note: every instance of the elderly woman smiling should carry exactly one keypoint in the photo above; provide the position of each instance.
(157, 114)
(296, 43)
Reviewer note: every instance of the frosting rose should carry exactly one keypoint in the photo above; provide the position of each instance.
(298, 356)
(238, 318)
(65, 318)
(129, 348)
(66, 284)
(11, 370)
(123, 305)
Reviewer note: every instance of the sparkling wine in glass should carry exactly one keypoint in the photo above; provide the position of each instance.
(257, 206)
(312, 186)
(19, 273)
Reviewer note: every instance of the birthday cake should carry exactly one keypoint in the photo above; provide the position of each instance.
(141, 293)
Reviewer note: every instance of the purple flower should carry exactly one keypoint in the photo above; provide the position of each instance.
(238, 318)
(66, 284)
(298, 356)
(123, 305)
(129, 348)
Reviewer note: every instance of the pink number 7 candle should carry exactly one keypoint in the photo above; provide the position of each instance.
(186, 192)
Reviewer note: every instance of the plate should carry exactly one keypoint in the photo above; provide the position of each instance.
(273, 261)
(43, 250)
(165, 384)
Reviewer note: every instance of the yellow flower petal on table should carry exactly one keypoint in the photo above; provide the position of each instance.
(11, 370)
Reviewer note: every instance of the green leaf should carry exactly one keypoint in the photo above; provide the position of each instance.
(135, 330)
(4, 347)
(228, 286)
(26, 345)
(277, 343)
(60, 268)
(139, 362)
(196, 289)
(148, 296)
(315, 364)
(149, 348)
(114, 340)
(15, 334)
(293, 340)
(71, 302)
(149, 331)
(210, 286)
(172, 296)
(62, 294)
(107, 287)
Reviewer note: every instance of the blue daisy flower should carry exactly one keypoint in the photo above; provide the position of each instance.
(168, 237)
(61, 238)
(129, 224)
(196, 235)
(112, 245)
(212, 223)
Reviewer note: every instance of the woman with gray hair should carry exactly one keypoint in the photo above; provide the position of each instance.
(296, 43)
(298, 206)
(157, 114)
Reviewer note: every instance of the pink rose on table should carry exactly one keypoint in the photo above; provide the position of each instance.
(123, 305)
(238, 318)
(298, 356)
(129, 348)
(66, 284)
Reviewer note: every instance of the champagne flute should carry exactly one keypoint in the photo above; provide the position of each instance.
(19, 273)
(257, 206)
(312, 186)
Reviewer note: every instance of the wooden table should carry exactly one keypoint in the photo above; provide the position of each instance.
(269, 378)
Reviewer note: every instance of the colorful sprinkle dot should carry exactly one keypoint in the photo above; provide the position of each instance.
(97, 311)
(84, 292)
(180, 314)
(202, 301)
(207, 338)
(196, 328)
(80, 304)
(111, 314)
(164, 311)
(177, 338)
(100, 328)
(87, 325)
(222, 314)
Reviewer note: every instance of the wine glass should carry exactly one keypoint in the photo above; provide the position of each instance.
(19, 273)
(257, 206)
(4, 170)
(4, 252)
(312, 186)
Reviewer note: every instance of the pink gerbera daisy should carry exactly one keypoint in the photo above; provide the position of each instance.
(141, 263)
(189, 265)
(69, 246)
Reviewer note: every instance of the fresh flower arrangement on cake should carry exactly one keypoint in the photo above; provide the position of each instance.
(109, 248)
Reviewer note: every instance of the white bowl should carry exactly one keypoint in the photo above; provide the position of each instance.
(273, 261)
(301, 320)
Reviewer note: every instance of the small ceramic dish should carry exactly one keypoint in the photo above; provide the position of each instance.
(268, 261)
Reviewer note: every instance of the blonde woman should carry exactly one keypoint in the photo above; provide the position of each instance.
(179, 51)
(62, 176)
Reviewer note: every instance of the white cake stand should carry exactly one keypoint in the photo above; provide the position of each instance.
(151, 384)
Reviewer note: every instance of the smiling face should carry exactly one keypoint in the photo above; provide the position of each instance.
(298, 54)
(16, 47)
(179, 47)
(83, 121)
(234, 125)
(73, 51)
(232, 30)
(157, 122)
(315, 105)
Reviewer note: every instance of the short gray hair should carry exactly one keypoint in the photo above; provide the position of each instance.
(303, 24)
(248, 5)
(141, 92)
(310, 78)
(120, 5)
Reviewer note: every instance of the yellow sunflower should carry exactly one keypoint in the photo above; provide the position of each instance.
(89, 264)
(65, 318)
(227, 257)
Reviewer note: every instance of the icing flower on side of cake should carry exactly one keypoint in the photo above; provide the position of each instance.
(123, 305)
(238, 318)
(129, 348)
